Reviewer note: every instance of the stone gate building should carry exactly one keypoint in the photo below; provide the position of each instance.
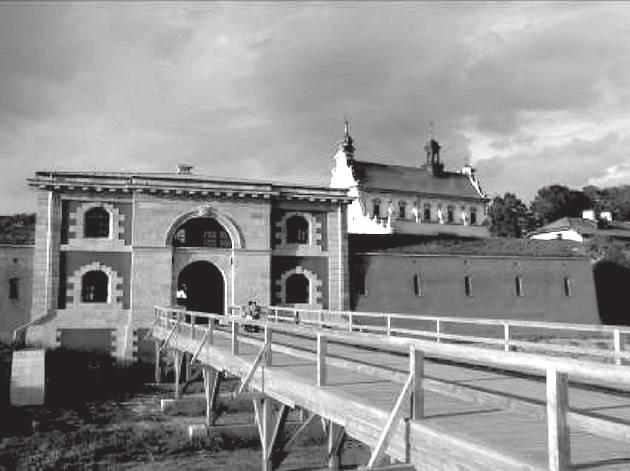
(111, 246)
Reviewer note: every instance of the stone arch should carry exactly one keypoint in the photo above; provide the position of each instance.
(114, 288)
(228, 224)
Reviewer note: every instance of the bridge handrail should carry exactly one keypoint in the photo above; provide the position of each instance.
(617, 333)
(592, 372)
(556, 371)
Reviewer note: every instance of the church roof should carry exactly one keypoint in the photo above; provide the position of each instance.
(399, 178)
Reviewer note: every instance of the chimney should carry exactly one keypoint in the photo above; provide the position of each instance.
(184, 169)
(588, 214)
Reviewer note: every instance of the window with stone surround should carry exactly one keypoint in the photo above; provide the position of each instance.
(297, 230)
(297, 289)
(97, 223)
(94, 287)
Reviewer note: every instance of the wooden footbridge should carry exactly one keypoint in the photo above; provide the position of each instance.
(421, 392)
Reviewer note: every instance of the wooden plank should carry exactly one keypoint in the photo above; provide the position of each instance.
(256, 363)
(558, 438)
(28, 378)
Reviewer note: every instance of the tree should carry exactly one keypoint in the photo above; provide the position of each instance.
(509, 216)
(557, 201)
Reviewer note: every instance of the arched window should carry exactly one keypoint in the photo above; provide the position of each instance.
(450, 214)
(297, 289)
(94, 287)
(202, 232)
(297, 230)
(427, 212)
(401, 209)
(96, 222)
(473, 215)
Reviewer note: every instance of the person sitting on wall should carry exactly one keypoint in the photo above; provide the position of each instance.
(252, 311)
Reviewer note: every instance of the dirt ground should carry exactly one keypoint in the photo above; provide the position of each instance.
(98, 426)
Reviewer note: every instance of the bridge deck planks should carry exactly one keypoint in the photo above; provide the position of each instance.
(516, 435)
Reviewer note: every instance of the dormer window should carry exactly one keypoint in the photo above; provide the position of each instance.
(97, 223)
(297, 230)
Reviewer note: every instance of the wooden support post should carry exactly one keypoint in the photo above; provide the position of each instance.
(350, 321)
(619, 345)
(210, 379)
(390, 426)
(158, 368)
(267, 429)
(268, 340)
(192, 326)
(235, 328)
(322, 346)
(186, 361)
(416, 368)
(389, 326)
(438, 329)
(558, 439)
(177, 366)
(506, 337)
(336, 435)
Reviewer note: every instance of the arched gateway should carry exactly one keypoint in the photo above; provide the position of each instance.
(202, 250)
(204, 286)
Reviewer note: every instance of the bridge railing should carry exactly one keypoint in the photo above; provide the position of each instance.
(605, 342)
(280, 323)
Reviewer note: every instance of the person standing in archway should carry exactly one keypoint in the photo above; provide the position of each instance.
(182, 296)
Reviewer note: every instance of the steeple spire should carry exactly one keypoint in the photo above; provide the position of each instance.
(347, 144)
(432, 150)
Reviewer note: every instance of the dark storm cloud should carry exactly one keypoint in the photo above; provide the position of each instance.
(260, 90)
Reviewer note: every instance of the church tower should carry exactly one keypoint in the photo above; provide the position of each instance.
(341, 174)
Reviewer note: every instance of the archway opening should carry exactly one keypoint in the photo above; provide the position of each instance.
(204, 287)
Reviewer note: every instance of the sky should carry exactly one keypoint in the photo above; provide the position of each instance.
(530, 94)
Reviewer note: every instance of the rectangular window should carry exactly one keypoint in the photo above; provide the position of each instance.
(468, 285)
(473, 216)
(568, 291)
(417, 285)
(14, 288)
(360, 282)
(427, 214)
(518, 286)
(401, 211)
(377, 210)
